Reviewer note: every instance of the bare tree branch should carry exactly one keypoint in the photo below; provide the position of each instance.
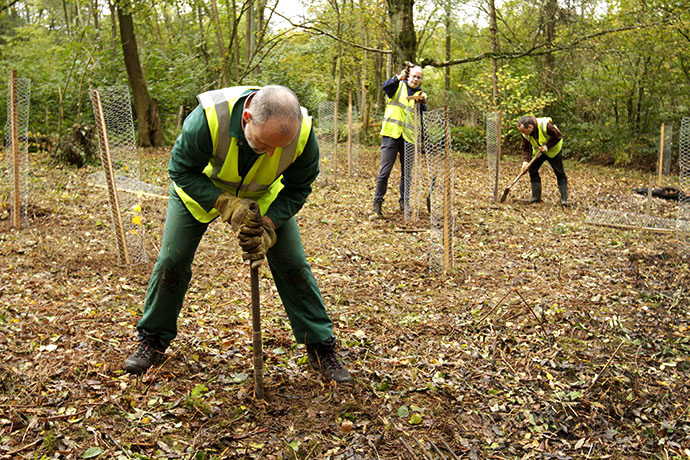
(316, 31)
(536, 50)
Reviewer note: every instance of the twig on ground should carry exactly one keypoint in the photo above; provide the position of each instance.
(541, 323)
(596, 377)
(495, 306)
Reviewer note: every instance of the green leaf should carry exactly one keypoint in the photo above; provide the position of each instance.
(294, 445)
(416, 419)
(92, 452)
(403, 412)
(199, 390)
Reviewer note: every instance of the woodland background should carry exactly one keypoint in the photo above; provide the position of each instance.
(549, 339)
(608, 72)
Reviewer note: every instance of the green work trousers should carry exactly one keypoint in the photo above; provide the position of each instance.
(173, 271)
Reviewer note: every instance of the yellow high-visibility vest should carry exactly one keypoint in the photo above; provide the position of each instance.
(399, 115)
(541, 127)
(262, 183)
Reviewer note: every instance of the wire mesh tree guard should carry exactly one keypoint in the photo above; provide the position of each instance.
(428, 182)
(493, 150)
(121, 171)
(683, 222)
(331, 149)
(17, 141)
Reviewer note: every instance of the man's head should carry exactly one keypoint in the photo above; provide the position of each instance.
(526, 125)
(271, 118)
(415, 77)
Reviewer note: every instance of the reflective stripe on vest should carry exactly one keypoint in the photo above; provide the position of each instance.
(262, 182)
(397, 119)
(541, 129)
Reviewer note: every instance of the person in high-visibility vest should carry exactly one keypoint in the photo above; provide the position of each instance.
(398, 128)
(249, 156)
(542, 135)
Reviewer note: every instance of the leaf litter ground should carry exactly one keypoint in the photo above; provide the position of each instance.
(550, 338)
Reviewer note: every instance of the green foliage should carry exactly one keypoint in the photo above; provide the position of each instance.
(516, 97)
(608, 94)
(469, 139)
(196, 399)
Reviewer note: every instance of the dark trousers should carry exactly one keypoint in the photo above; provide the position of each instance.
(173, 271)
(556, 164)
(390, 149)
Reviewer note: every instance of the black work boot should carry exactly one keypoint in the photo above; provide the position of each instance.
(149, 353)
(377, 207)
(563, 188)
(323, 358)
(536, 192)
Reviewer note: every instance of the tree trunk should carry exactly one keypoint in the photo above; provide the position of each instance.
(449, 11)
(404, 44)
(493, 30)
(234, 40)
(148, 121)
(248, 35)
(202, 36)
(550, 10)
(224, 78)
(364, 77)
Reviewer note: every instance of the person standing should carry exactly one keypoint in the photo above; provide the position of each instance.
(249, 156)
(398, 128)
(540, 135)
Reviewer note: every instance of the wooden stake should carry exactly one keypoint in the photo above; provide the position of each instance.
(14, 133)
(110, 178)
(257, 344)
(661, 154)
(349, 133)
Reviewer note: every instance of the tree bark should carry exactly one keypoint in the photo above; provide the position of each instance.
(404, 44)
(225, 80)
(550, 11)
(493, 30)
(148, 120)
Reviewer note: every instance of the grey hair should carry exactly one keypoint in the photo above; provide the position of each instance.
(276, 101)
(526, 121)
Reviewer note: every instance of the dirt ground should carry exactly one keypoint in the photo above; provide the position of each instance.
(550, 338)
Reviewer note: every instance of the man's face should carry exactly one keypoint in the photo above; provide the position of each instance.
(267, 137)
(525, 129)
(415, 78)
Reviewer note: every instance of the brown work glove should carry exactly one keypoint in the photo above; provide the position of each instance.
(238, 212)
(255, 241)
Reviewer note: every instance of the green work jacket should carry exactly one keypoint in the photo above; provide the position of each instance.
(212, 156)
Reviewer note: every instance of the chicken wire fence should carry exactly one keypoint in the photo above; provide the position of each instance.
(428, 184)
(121, 171)
(638, 211)
(347, 154)
(683, 222)
(493, 150)
(18, 168)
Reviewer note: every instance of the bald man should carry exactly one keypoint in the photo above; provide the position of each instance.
(248, 156)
